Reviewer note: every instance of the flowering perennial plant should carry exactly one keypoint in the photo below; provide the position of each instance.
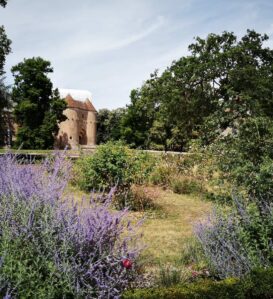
(54, 247)
(238, 241)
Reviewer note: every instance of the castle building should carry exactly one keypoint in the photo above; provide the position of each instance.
(79, 129)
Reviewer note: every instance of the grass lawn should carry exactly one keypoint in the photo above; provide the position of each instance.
(167, 230)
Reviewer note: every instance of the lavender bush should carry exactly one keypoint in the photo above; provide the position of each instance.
(238, 241)
(53, 247)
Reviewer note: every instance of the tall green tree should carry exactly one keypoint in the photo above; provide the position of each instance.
(5, 114)
(4, 44)
(241, 76)
(138, 118)
(4, 51)
(38, 108)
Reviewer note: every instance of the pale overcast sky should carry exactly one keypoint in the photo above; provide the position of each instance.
(110, 47)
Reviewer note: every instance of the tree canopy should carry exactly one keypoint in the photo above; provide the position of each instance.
(3, 2)
(4, 44)
(4, 48)
(38, 108)
(4, 51)
(223, 80)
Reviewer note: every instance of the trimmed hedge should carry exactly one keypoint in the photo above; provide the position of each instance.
(255, 286)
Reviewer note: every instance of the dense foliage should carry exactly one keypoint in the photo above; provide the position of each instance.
(4, 49)
(245, 157)
(51, 247)
(4, 103)
(109, 125)
(222, 81)
(38, 108)
(239, 240)
(5, 114)
(113, 164)
(180, 173)
(255, 286)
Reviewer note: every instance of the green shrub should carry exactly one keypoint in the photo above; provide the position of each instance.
(179, 173)
(114, 164)
(138, 198)
(143, 164)
(223, 198)
(162, 174)
(185, 185)
(187, 162)
(204, 289)
(245, 158)
(257, 285)
(109, 165)
(169, 276)
(192, 253)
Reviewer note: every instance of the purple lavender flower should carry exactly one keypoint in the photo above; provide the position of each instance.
(74, 247)
(240, 240)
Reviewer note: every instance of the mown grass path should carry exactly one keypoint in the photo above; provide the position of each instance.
(167, 230)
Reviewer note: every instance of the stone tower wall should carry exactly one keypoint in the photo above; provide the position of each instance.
(91, 128)
(78, 129)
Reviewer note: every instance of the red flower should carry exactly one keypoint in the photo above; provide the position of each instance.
(127, 264)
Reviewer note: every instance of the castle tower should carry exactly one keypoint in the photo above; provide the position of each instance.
(79, 129)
